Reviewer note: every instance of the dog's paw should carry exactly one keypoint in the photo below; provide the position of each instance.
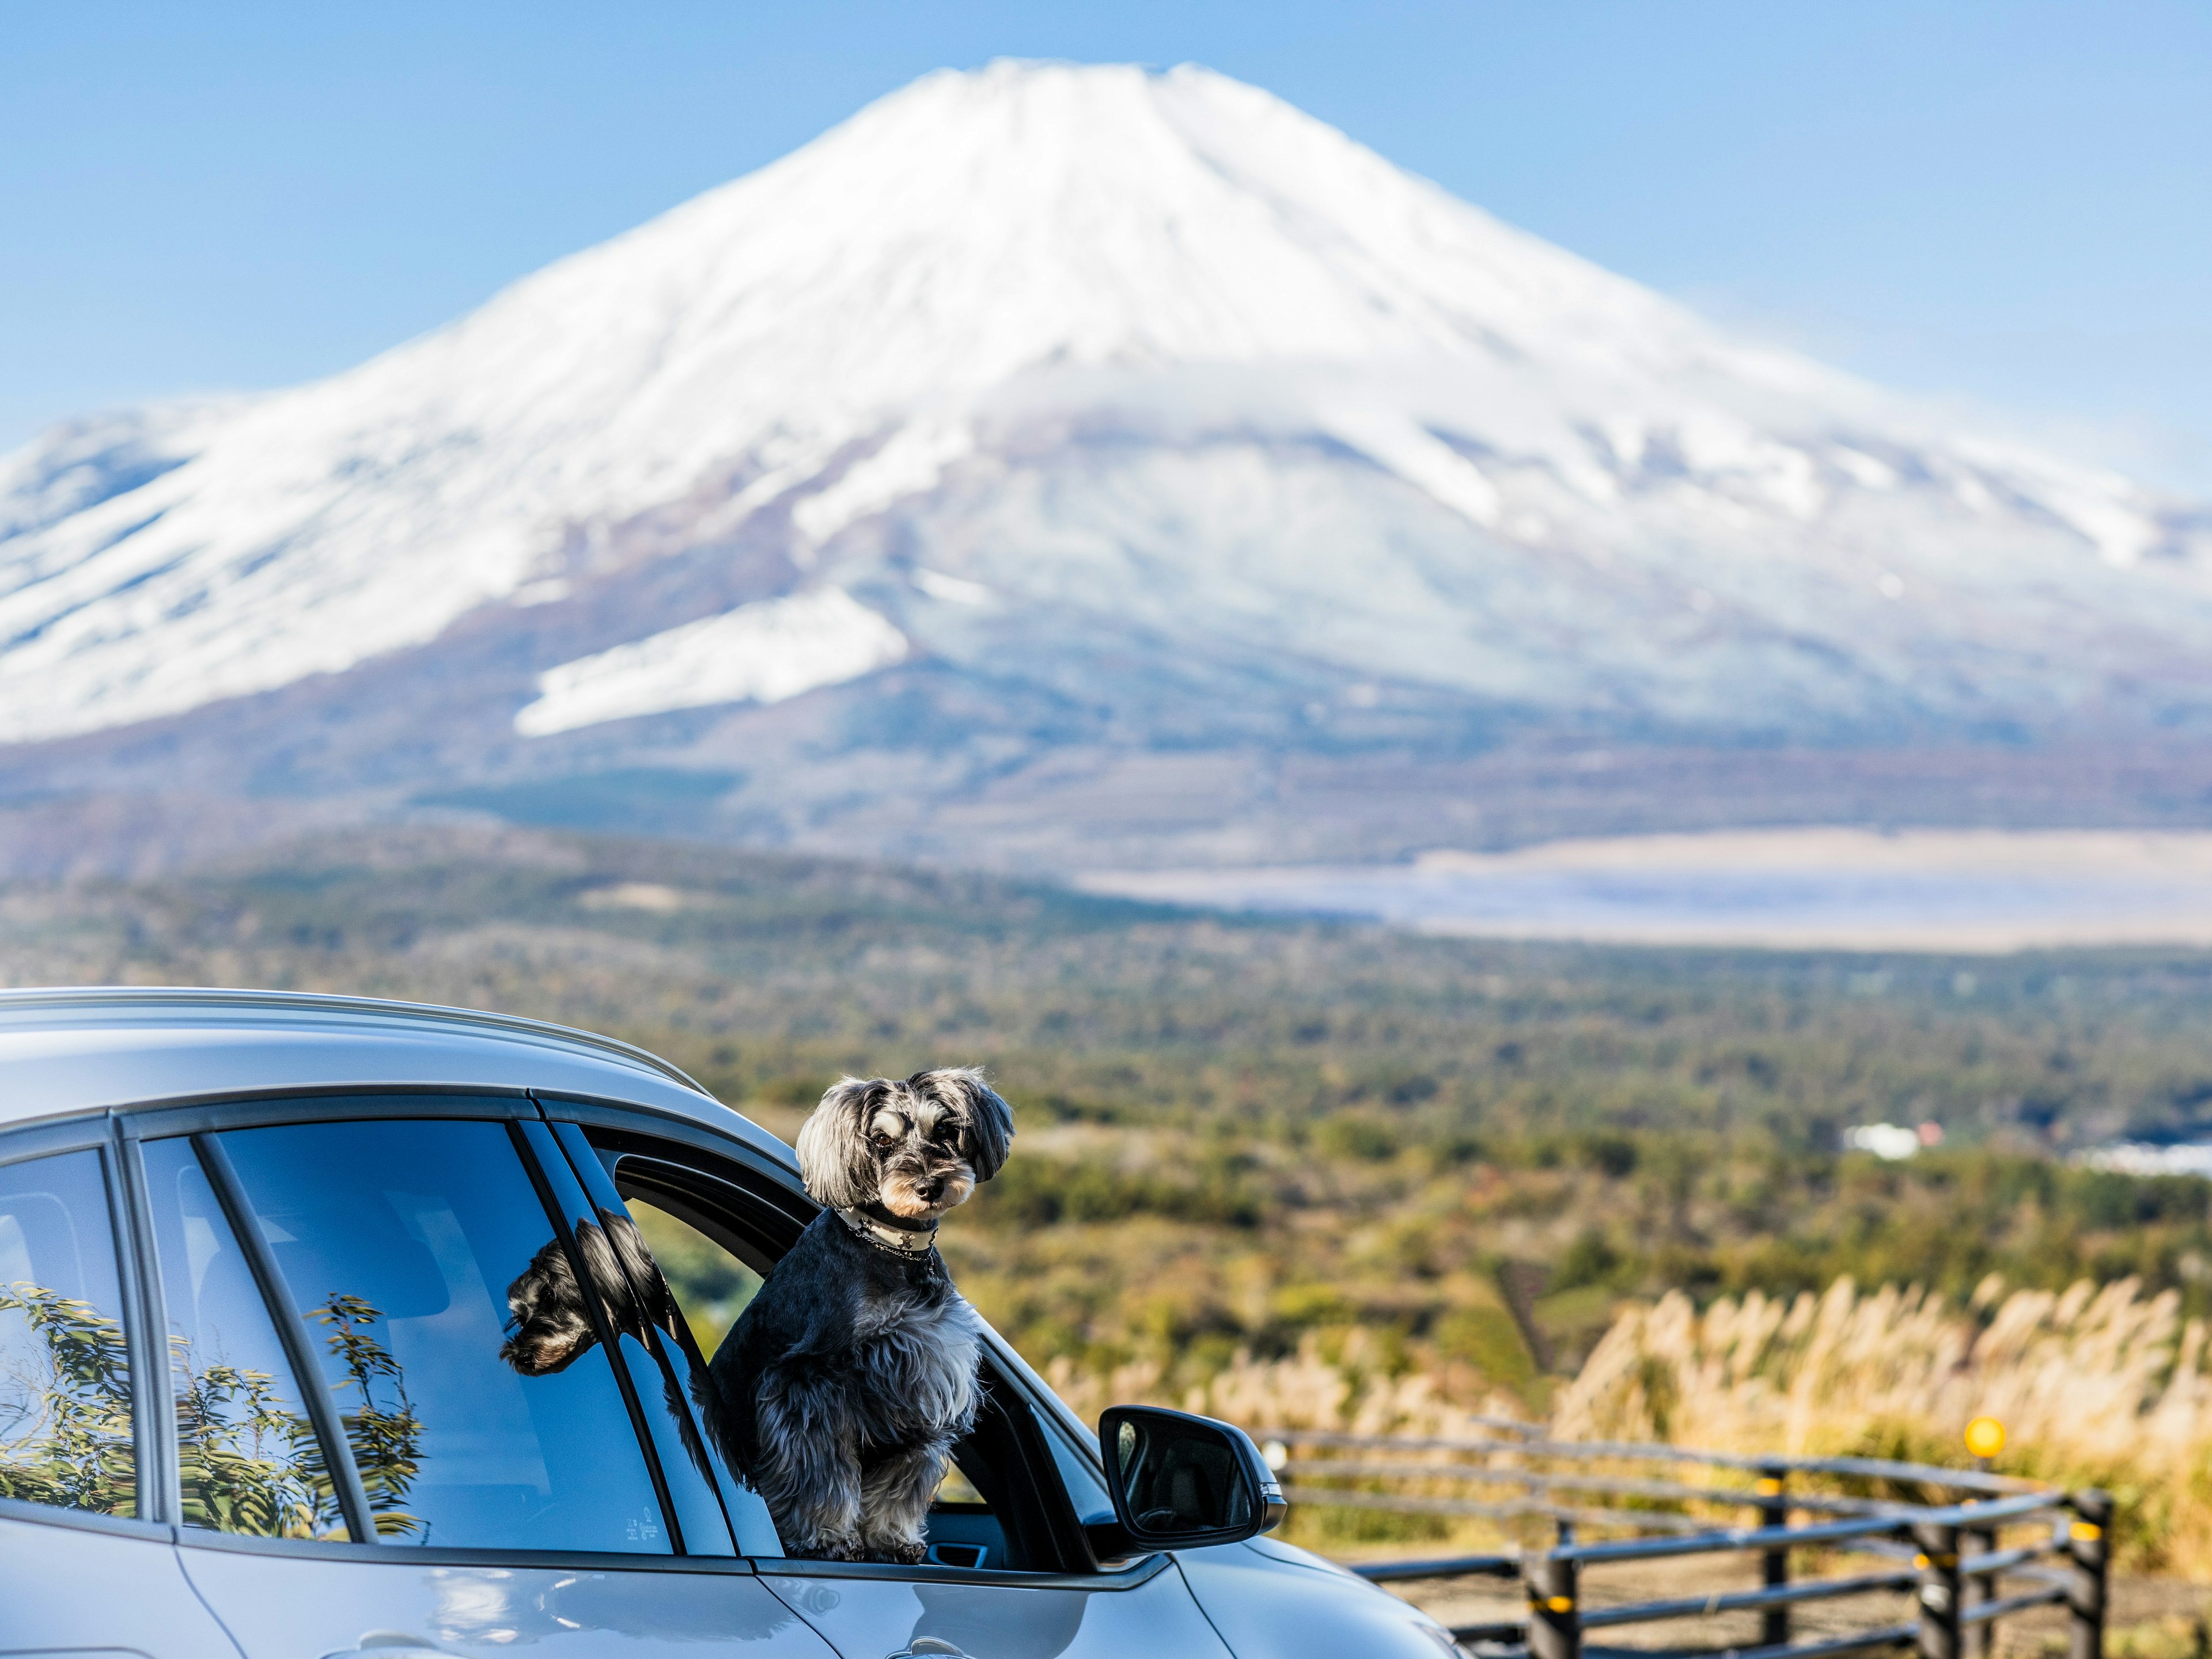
(902, 1555)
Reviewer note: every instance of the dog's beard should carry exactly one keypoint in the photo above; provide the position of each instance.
(901, 1193)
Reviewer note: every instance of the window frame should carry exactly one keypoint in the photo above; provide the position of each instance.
(510, 1106)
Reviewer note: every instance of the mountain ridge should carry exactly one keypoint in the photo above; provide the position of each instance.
(1049, 407)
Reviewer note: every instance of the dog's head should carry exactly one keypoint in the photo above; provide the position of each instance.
(916, 1146)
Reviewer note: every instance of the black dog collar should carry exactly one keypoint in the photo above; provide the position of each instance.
(874, 1224)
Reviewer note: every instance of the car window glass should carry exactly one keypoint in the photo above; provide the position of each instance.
(247, 1457)
(635, 1312)
(399, 1243)
(665, 1341)
(65, 1430)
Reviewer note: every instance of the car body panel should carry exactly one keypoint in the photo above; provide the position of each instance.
(59, 1591)
(302, 1607)
(868, 1618)
(1270, 1600)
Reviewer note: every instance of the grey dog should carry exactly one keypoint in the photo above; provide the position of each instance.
(853, 1372)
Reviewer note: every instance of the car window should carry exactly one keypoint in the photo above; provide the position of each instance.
(248, 1459)
(990, 1510)
(663, 1343)
(401, 1244)
(65, 1429)
(712, 1286)
(639, 1316)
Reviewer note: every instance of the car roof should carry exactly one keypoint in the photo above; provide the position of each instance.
(66, 1051)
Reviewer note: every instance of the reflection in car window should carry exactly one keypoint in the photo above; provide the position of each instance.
(668, 1328)
(247, 1457)
(398, 1242)
(638, 1312)
(64, 1363)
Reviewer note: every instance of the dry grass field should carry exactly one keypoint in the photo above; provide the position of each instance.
(1312, 1174)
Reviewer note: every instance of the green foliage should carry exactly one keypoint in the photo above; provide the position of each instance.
(244, 1463)
(1040, 1191)
(65, 1433)
(386, 1437)
(1488, 1339)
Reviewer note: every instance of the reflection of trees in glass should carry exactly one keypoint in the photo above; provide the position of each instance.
(244, 1463)
(65, 1427)
(386, 1440)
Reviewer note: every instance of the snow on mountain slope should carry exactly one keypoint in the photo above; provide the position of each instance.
(1065, 371)
(759, 652)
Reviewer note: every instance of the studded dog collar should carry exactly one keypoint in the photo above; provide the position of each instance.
(873, 1224)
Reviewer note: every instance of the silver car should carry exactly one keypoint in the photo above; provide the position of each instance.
(256, 1400)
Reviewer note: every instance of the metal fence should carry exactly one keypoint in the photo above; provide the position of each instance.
(1969, 1547)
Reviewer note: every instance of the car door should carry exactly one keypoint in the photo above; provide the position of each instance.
(360, 1458)
(1019, 1503)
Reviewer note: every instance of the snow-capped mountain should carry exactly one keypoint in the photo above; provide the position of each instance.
(1083, 405)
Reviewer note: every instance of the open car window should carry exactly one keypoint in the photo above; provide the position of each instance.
(716, 1231)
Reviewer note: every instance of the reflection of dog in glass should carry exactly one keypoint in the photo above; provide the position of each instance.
(551, 1324)
(851, 1373)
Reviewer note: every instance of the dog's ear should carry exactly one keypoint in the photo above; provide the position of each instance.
(834, 1159)
(986, 1122)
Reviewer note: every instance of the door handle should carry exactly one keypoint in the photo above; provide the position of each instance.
(390, 1645)
(928, 1647)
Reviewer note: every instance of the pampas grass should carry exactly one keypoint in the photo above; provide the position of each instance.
(2095, 1386)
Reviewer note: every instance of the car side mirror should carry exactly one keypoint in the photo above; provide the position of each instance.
(1180, 1481)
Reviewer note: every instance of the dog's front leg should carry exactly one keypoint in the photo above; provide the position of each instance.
(894, 1497)
(808, 1471)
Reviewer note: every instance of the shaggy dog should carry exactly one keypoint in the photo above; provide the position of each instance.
(851, 1373)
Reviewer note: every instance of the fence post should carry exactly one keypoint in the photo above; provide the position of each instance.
(1774, 1563)
(1938, 1562)
(1555, 1620)
(2090, 1549)
(1982, 1639)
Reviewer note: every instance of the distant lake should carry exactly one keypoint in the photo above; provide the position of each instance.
(1971, 890)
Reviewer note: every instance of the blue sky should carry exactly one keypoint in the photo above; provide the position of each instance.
(2007, 204)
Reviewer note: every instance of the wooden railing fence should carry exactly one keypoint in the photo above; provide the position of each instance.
(1971, 1547)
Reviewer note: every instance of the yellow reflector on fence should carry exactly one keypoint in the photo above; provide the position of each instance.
(1985, 1437)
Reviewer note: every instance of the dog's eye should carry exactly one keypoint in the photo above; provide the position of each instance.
(884, 1138)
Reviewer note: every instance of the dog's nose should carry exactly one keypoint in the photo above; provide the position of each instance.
(930, 1191)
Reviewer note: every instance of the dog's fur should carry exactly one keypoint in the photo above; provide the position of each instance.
(853, 1372)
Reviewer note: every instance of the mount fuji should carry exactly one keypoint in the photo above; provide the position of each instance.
(1053, 464)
